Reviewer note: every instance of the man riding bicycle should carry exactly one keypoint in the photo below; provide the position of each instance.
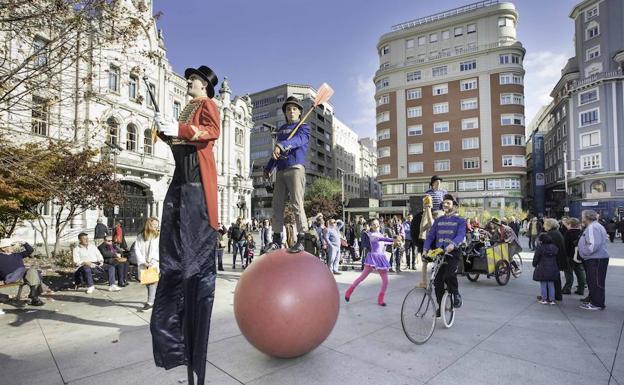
(447, 233)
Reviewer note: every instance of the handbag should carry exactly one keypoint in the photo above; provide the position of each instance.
(149, 275)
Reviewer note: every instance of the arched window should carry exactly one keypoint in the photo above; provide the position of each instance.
(598, 186)
(147, 142)
(113, 130)
(131, 137)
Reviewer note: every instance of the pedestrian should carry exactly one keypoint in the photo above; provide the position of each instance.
(422, 223)
(621, 229)
(115, 264)
(611, 229)
(397, 252)
(551, 226)
(250, 247)
(546, 269)
(332, 237)
(571, 242)
(12, 268)
(375, 260)
(365, 245)
(221, 245)
(100, 232)
(238, 236)
(534, 230)
(312, 244)
(410, 247)
(86, 258)
(119, 237)
(592, 248)
(265, 235)
(436, 192)
(147, 252)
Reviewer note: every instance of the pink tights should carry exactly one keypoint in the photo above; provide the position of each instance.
(367, 270)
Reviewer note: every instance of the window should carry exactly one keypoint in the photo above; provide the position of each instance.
(414, 93)
(470, 123)
(433, 38)
(512, 98)
(446, 52)
(147, 142)
(509, 58)
(413, 76)
(40, 51)
(442, 165)
(458, 31)
(133, 87)
(471, 28)
(512, 140)
(415, 148)
(515, 59)
(510, 78)
(588, 96)
(409, 43)
(469, 104)
(592, 12)
(415, 167)
(446, 35)
(383, 134)
(505, 22)
(514, 161)
(177, 107)
(467, 85)
(415, 130)
(512, 119)
(383, 117)
(433, 55)
(385, 50)
(414, 112)
(470, 143)
(471, 164)
(593, 30)
(113, 130)
(383, 99)
(590, 139)
(383, 152)
(459, 50)
(470, 185)
(382, 83)
(40, 116)
(422, 40)
(113, 78)
(440, 108)
(441, 146)
(619, 185)
(589, 117)
(383, 169)
(439, 89)
(503, 184)
(592, 53)
(440, 127)
(591, 162)
(131, 137)
(439, 71)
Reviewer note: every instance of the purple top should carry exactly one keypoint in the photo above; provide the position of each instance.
(377, 241)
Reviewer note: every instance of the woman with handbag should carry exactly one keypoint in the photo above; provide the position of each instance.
(148, 257)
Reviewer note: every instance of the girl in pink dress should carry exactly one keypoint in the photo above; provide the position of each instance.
(375, 260)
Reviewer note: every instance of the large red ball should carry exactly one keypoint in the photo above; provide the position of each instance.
(286, 304)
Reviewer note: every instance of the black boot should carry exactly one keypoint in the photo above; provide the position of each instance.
(276, 244)
(298, 246)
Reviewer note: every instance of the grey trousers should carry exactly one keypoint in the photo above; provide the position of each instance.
(289, 186)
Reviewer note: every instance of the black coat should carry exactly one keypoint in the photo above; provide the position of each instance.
(545, 263)
(101, 231)
(571, 241)
(562, 255)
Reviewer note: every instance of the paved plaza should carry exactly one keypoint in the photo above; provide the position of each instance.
(501, 336)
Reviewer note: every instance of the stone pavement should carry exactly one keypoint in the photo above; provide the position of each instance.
(501, 335)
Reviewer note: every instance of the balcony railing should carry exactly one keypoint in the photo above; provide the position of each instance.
(144, 162)
(444, 15)
(597, 77)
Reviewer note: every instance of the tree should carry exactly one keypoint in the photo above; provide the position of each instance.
(323, 196)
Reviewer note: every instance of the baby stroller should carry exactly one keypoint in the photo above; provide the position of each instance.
(348, 255)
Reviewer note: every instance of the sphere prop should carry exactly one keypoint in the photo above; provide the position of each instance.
(286, 304)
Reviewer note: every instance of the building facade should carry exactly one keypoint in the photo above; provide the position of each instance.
(584, 140)
(346, 151)
(267, 117)
(114, 113)
(450, 102)
(369, 186)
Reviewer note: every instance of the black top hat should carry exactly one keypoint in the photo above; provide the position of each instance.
(450, 197)
(207, 75)
(294, 101)
(434, 178)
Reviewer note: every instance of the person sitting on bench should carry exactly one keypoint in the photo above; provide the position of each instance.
(12, 268)
(86, 257)
(114, 263)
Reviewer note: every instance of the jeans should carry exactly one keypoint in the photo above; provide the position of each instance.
(220, 259)
(239, 247)
(333, 257)
(548, 290)
(532, 239)
(578, 270)
(151, 293)
(118, 270)
(596, 270)
(82, 275)
(410, 253)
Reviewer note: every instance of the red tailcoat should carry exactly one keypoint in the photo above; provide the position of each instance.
(200, 124)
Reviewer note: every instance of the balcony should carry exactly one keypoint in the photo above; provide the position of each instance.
(444, 15)
(144, 163)
(596, 78)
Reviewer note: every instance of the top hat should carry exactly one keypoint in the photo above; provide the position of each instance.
(207, 75)
(434, 178)
(294, 101)
(450, 197)
(495, 221)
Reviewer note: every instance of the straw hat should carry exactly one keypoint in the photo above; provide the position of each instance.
(6, 242)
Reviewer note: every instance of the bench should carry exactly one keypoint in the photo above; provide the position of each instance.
(20, 284)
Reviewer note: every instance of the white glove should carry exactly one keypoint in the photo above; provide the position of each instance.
(167, 127)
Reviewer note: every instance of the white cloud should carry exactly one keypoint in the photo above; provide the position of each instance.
(362, 120)
(543, 70)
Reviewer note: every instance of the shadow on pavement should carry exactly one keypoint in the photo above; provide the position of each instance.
(27, 315)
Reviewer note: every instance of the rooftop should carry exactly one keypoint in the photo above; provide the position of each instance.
(444, 14)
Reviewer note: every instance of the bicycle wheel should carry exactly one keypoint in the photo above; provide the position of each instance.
(503, 272)
(418, 316)
(448, 310)
(472, 277)
(516, 265)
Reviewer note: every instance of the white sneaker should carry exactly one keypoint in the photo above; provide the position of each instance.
(114, 288)
(2, 312)
(90, 289)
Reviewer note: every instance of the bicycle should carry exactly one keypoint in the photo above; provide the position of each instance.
(418, 312)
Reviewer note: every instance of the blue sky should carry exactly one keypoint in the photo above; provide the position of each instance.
(261, 44)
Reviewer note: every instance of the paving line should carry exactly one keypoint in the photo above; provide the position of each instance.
(51, 354)
(615, 356)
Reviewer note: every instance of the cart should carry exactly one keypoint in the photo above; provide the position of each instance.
(492, 261)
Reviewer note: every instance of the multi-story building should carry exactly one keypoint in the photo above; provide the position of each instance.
(346, 151)
(587, 116)
(450, 102)
(267, 117)
(114, 108)
(369, 187)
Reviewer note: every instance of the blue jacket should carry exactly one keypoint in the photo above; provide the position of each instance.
(293, 150)
(446, 230)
